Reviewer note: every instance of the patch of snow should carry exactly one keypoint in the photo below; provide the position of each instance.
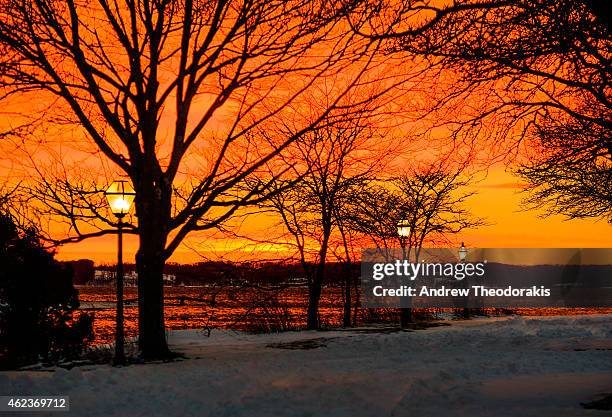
(510, 366)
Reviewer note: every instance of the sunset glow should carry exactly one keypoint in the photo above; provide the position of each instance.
(498, 200)
(349, 208)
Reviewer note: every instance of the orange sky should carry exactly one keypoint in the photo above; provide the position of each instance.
(497, 200)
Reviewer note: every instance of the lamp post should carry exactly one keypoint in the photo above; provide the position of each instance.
(403, 231)
(120, 196)
(462, 256)
(462, 252)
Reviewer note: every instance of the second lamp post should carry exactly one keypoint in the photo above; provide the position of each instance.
(120, 196)
(403, 231)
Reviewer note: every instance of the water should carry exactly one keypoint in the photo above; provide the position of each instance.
(251, 309)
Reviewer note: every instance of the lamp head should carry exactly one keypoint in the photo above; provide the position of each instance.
(120, 195)
(403, 228)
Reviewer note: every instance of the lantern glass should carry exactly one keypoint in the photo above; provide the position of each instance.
(403, 228)
(120, 196)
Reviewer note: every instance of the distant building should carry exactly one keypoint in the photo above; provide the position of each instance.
(102, 277)
(130, 279)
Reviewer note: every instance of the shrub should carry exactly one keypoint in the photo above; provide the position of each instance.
(37, 302)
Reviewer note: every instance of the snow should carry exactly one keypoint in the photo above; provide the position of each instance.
(484, 367)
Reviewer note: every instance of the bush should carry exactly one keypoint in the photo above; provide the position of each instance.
(37, 302)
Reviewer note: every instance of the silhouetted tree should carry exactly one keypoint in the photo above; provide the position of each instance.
(179, 96)
(570, 171)
(329, 163)
(84, 271)
(37, 302)
(430, 199)
(346, 251)
(538, 70)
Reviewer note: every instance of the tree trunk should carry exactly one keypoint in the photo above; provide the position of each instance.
(312, 316)
(151, 329)
(152, 209)
(357, 303)
(406, 317)
(314, 288)
(346, 321)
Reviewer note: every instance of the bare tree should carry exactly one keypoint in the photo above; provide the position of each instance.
(569, 172)
(333, 160)
(177, 96)
(430, 199)
(434, 205)
(346, 251)
(538, 71)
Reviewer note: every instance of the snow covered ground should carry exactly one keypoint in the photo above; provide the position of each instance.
(506, 367)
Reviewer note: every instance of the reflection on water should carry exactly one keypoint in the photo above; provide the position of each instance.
(252, 309)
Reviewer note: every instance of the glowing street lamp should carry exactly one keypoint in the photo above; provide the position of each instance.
(403, 231)
(462, 252)
(120, 196)
(403, 228)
